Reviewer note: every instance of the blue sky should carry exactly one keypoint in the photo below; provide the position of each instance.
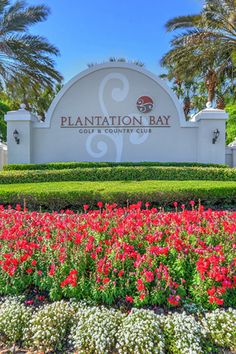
(93, 30)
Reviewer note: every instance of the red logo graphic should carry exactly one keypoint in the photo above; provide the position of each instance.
(145, 104)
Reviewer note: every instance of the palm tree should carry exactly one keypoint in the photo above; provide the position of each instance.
(22, 53)
(216, 22)
(189, 92)
(36, 97)
(206, 48)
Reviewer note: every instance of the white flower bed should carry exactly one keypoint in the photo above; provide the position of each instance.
(140, 332)
(14, 317)
(95, 330)
(49, 326)
(221, 327)
(76, 327)
(184, 335)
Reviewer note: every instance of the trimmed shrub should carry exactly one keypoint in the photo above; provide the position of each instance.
(119, 174)
(72, 165)
(61, 195)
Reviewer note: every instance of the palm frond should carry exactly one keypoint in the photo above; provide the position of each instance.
(195, 36)
(18, 18)
(183, 22)
(29, 44)
(3, 5)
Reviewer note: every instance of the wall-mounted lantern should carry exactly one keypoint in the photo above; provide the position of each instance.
(16, 136)
(216, 134)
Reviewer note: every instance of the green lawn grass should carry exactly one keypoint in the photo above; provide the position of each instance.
(115, 186)
(56, 195)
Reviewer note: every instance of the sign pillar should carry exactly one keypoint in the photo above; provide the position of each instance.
(3, 155)
(211, 135)
(19, 126)
(232, 148)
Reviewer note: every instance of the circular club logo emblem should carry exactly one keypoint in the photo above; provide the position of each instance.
(145, 104)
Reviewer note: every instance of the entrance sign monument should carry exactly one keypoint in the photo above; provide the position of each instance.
(116, 112)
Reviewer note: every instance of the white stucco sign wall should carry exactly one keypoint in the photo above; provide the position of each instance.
(116, 112)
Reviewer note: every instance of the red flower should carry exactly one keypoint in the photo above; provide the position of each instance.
(214, 299)
(192, 203)
(51, 270)
(121, 272)
(29, 302)
(105, 280)
(140, 246)
(211, 291)
(219, 301)
(174, 300)
(24, 257)
(29, 270)
(71, 279)
(129, 299)
(41, 297)
(149, 276)
(140, 286)
(142, 296)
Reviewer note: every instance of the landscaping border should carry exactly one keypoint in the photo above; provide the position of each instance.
(60, 195)
(119, 173)
(71, 165)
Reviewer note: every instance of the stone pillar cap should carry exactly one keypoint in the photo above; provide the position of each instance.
(233, 144)
(21, 115)
(211, 114)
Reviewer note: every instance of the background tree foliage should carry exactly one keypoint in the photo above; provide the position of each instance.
(22, 53)
(36, 96)
(231, 123)
(27, 68)
(201, 63)
(4, 108)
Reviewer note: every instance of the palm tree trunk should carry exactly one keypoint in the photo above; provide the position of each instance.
(220, 102)
(187, 106)
(211, 83)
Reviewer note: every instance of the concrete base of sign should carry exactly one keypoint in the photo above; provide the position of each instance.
(116, 112)
(231, 154)
(3, 155)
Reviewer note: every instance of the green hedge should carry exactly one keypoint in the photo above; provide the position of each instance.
(119, 174)
(60, 195)
(72, 165)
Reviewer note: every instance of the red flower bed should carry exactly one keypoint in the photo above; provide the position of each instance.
(121, 254)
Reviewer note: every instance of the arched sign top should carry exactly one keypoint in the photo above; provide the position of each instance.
(118, 66)
(116, 112)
